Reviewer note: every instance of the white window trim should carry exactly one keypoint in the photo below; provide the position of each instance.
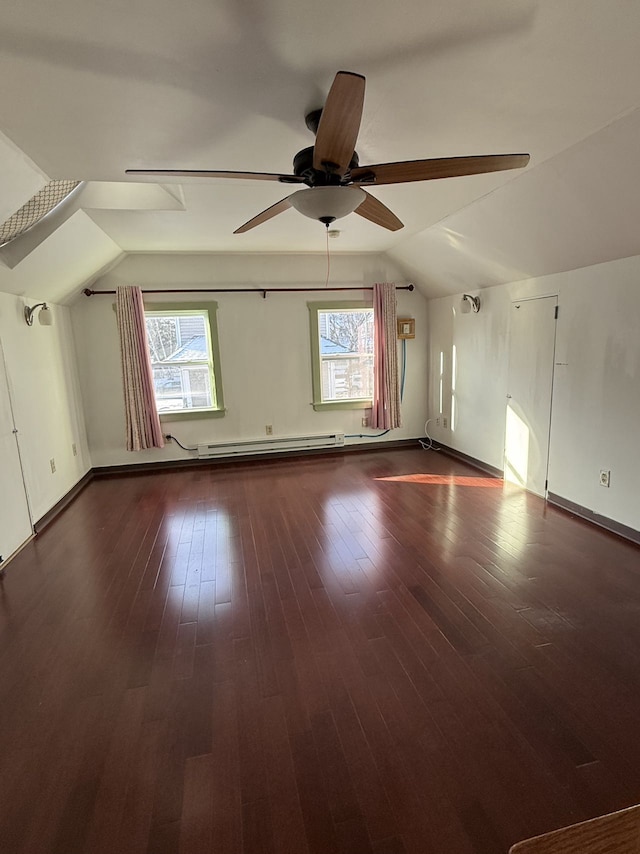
(209, 311)
(319, 404)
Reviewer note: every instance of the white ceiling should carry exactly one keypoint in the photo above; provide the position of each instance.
(95, 88)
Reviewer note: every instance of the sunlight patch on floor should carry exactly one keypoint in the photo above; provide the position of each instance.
(446, 480)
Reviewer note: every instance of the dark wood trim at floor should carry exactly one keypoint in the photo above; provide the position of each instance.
(382, 653)
(4, 563)
(472, 461)
(179, 465)
(240, 460)
(595, 518)
(63, 503)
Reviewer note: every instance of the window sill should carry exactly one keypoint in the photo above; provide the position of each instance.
(187, 415)
(343, 404)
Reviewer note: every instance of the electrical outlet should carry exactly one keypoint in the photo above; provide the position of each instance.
(365, 421)
(74, 449)
(438, 421)
(444, 422)
(269, 429)
(605, 477)
(52, 463)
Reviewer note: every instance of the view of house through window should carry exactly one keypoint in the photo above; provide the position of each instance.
(181, 359)
(345, 351)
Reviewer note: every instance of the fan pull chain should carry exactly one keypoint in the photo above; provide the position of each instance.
(326, 284)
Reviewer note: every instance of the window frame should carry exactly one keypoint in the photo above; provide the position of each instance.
(316, 361)
(210, 310)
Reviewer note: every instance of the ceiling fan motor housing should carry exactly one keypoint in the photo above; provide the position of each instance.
(303, 168)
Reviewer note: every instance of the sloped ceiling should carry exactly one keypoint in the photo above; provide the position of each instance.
(19, 178)
(60, 266)
(97, 88)
(579, 208)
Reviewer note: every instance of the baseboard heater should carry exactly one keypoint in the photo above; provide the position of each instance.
(270, 446)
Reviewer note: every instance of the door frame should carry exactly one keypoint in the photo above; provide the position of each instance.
(16, 435)
(513, 302)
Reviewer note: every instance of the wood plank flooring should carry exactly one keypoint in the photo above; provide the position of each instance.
(378, 653)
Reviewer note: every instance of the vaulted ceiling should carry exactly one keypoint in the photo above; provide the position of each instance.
(94, 88)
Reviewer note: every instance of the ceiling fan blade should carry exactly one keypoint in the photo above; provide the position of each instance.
(443, 167)
(339, 124)
(274, 210)
(201, 173)
(373, 210)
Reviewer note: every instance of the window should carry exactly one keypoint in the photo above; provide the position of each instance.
(45, 200)
(183, 346)
(342, 354)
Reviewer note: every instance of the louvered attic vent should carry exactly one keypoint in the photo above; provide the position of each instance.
(38, 206)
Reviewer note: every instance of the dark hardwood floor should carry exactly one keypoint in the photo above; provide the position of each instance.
(381, 653)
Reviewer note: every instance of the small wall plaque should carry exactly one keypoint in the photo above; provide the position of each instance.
(406, 327)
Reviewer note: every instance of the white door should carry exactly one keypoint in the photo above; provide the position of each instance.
(15, 524)
(528, 421)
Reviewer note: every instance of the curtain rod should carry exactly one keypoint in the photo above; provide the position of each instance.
(88, 292)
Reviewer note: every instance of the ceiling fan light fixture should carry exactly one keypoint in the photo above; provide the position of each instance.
(327, 204)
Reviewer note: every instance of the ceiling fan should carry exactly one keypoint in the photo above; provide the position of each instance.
(331, 170)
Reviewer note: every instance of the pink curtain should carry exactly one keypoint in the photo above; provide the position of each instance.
(143, 422)
(385, 412)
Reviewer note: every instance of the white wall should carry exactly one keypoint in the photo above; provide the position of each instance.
(596, 397)
(264, 344)
(45, 391)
